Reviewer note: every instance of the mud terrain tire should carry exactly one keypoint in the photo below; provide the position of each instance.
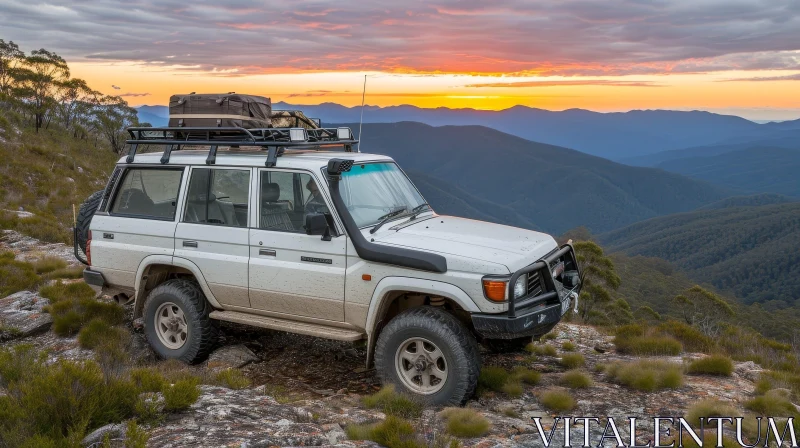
(458, 346)
(201, 331)
(85, 214)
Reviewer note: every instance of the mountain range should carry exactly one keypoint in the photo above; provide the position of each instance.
(531, 184)
(616, 136)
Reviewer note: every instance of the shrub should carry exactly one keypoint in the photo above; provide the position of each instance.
(393, 432)
(181, 395)
(557, 400)
(646, 375)
(629, 331)
(710, 408)
(97, 332)
(575, 379)
(572, 360)
(393, 403)
(148, 380)
(73, 306)
(232, 379)
(135, 436)
(15, 275)
(48, 264)
(541, 350)
(492, 378)
(649, 345)
(712, 365)
(568, 346)
(692, 339)
(513, 388)
(61, 291)
(771, 404)
(66, 273)
(464, 422)
(525, 375)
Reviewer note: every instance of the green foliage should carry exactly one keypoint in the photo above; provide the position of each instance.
(48, 264)
(720, 365)
(513, 388)
(392, 402)
(492, 378)
(572, 360)
(525, 375)
(73, 306)
(148, 379)
(575, 379)
(646, 375)
(557, 400)
(649, 345)
(709, 408)
(771, 404)
(97, 332)
(599, 280)
(232, 379)
(568, 346)
(541, 349)
(465, 422)
(15, 275)
(690, 337)
(181, 395)
(703, 309)
(393, 432)
(135, 436)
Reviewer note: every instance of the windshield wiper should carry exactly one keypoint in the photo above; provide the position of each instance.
(388, 217)
(416, 211)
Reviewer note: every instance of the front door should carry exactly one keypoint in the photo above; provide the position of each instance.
(292, 273)
(213, 231)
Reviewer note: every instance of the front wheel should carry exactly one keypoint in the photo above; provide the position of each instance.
(428, 353)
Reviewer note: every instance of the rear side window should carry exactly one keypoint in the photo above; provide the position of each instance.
(148, 193)
(218, 196)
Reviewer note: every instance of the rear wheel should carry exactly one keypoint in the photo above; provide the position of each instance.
(176, 321)
(428, 353)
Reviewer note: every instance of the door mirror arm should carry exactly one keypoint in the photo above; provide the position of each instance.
(317, 224)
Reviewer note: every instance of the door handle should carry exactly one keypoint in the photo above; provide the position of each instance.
(190, 244)
(267, 252)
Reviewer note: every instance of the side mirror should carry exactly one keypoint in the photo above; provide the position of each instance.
(317, 224)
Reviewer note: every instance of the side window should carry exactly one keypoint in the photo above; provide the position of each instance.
(148, 193)
(218, 196)
(286, 198)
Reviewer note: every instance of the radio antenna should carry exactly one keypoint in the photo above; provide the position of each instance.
(363, 94)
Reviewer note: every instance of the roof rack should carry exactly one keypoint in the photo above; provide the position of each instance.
(275, 140)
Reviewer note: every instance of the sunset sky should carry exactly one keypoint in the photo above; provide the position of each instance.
(736, 56)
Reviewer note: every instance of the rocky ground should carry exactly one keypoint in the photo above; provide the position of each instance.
(307, 390)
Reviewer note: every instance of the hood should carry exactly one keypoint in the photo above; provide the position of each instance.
(511, 247)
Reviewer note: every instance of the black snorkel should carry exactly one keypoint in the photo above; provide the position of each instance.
(367, 250)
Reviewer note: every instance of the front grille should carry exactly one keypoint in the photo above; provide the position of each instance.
(535, 283)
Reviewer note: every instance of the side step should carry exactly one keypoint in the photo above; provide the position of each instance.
(289, 326)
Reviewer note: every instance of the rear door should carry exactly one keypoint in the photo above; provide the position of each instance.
(213, 230)
(139, 220)
(292, 273)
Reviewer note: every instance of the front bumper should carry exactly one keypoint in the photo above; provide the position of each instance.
(533, 315)
(533, 322)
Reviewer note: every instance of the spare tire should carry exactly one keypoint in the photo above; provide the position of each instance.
(85, 214)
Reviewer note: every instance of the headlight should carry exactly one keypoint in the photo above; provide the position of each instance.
(521, 286)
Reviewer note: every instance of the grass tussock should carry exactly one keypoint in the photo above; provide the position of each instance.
(182, 394)
(465, 422)
(691, 338)
(572, 360)
(47, 264)
(525, 375)
(148, 379)
(232, 379)
(16, 275)
(557, 400)
(550, 336)
(719, 365)
(646, 375)
(392, 402)
(73, 306)
(649, 345)
(393, 432)
(498, 379)
(492, 378)
(771, 404)
(576, 379)
(98, 332)
(568, 346)
(541, 349)
(710, 408)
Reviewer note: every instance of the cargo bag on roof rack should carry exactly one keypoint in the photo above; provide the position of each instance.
(220, 110)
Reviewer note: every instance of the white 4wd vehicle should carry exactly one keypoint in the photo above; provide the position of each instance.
(333, 244)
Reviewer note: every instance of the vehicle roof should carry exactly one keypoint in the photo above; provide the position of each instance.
(307, 159)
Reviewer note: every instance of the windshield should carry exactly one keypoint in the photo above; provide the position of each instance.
(372, 190)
